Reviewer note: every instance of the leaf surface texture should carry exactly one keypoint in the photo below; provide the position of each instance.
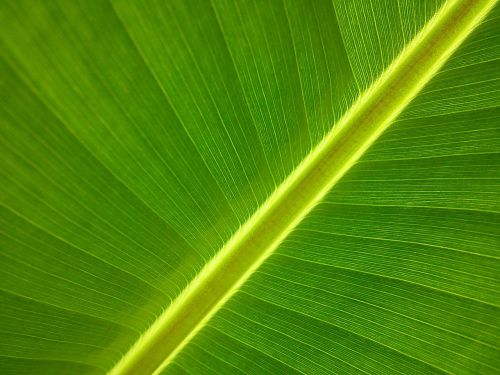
(137, 138)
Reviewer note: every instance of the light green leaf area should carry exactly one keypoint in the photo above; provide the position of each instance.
(138, 138)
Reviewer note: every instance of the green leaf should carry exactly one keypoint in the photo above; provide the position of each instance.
(250, 187)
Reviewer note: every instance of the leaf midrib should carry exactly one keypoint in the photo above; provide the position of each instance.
(256, 240)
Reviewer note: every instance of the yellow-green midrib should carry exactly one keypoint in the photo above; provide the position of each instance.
(304, 188)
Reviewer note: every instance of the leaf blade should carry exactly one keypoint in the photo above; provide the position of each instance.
(133, 227)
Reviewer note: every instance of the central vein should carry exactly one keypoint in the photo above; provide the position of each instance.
(304, 188)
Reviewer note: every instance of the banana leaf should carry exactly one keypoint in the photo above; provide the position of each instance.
(250, 187)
